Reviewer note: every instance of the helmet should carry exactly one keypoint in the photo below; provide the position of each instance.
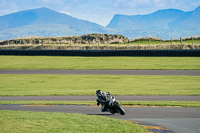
(98, 92)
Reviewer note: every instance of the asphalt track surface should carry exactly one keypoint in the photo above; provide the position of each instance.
(105, 72)
(131, 112)
(178, 119)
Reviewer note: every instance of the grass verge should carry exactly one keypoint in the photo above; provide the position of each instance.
(51, 85)
(40, 122)
(148, 63)
(123, 103)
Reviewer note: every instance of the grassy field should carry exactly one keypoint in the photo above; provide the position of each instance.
(50, 62)
(20, 85)
(123, 103)
(152, 42)
(38, 85)
(40, 122)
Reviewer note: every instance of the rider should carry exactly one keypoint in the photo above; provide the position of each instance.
(102, 99)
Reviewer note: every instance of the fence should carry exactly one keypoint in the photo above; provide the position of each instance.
(172, 53)
(157, 41)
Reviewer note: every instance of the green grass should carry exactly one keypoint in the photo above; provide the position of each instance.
(49, 85)
(152, 42)
(40, 122)
(51, 62)
(123, 103)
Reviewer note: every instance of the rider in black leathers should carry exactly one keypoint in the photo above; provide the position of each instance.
(102, 99)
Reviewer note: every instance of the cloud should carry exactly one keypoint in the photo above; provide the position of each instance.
(131, 3)
(65, 12)
(134, 3)
(47, 1)
(161, 3)
(156, 3)
(8, 7)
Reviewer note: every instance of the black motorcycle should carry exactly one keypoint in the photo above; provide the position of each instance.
(113, 106)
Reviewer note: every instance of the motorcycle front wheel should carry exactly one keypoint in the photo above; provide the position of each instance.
(120, 109)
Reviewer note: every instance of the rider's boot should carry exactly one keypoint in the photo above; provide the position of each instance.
(103, 108)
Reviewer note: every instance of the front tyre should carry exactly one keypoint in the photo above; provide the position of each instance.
(120, 109)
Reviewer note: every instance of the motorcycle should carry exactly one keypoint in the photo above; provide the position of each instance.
(113, 106)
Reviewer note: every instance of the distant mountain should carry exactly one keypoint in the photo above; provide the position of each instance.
(190, 20)
(160, 18)
(44, 22)
(163, 23)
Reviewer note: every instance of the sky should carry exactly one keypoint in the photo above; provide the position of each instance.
(98, 11)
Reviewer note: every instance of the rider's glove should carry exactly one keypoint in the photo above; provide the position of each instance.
(98, 103)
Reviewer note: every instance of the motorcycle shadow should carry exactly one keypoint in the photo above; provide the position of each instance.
(102, 114)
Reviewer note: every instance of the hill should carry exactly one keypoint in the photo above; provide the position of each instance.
(44, 22)
(159, 19)
(85, 39)
(168, 23)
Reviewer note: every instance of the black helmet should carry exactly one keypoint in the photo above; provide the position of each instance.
(98, 92)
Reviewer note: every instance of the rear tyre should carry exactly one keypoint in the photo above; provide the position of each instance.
(120, 109)
(112, 113)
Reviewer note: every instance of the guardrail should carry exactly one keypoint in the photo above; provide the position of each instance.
(167, 53)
